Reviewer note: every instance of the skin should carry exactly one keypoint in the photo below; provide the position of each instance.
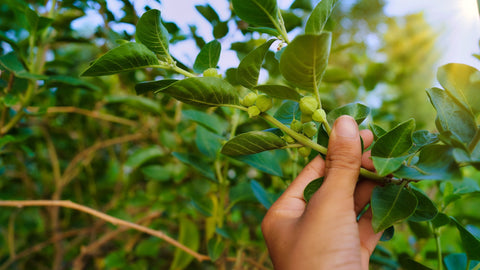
(325, 233)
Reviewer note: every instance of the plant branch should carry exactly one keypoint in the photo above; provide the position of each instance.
(108, 218)
(438, 246)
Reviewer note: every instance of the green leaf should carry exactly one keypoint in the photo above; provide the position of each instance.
(264, 197)
(157, 172)
(204, 91)
(153, 86)
(211, 122)
(139, 103)
(220, 30)
(6, 139)
(461, 82)
(288, 111)
(440, 220)
(387, 235)
(457, 261)
(190, 237)
(266, 162)
(396, 142)
(319, 16)
(151, 32)
(36, 23)
(197, 163)
(377, 131)
(435, 162)
(149, 247)
(143, 155)
(126, 57)
(215, 248)
(263, 13)
(311, 188)
(408, 263)
(385, 166)
(208, 56)
(305, 59)
(249, 68)
(11, 62)
(203, 204)
(336, 75)
(71, 81)
(265, 30)
(470, 243)
(303, 4)
(452, 116)
(252, 142)
(241, 192)
(208, 13)
(279, 91)
(426, 209)
(422, 138)
(356, 110)
(208, 143)
(390, 204)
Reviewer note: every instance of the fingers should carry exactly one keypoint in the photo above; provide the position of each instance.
(367, 137)
(363, 192)
(343, 158)
(368, 238)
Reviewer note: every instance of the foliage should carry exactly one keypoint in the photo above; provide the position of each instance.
(200, 154)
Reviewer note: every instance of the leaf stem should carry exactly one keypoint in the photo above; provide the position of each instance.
(297, 136)
(474, 141)
(438, 245)
(468, 264)
(282, 29)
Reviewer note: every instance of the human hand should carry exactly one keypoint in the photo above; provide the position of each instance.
(325, 233)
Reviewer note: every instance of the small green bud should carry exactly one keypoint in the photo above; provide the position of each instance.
(296, 125)
(304, 118)
(308, 105)
(211, 72)
(249, 99)
(253, 111)
(288, 138)
(304, 151)
(264, 103)
(319, 115)
(310, 129)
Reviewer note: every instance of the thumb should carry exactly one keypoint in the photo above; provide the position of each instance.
(344, 157)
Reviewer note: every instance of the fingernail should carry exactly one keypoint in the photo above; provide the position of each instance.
(346, 127)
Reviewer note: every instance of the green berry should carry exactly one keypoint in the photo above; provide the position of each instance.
(249, 99)
(310, 129)
(319, 116)
(264, 103)
(304, 118)
(296, 125)
(288, 138)
(211, 72)
(253, 111)
(304, 151)
(308, 105)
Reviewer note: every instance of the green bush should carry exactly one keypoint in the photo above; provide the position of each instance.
(197, 154)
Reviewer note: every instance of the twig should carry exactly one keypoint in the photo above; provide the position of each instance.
(108, 218)
(250, 261)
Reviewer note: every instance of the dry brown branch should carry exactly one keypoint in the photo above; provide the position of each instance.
(108, 218)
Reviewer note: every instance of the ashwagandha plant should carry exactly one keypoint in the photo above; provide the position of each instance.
(293, 102)
(402, 156)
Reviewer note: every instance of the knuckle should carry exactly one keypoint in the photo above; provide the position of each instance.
(343, 159)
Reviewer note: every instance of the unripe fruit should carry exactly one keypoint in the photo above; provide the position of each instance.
(253, 111)
(304, 151)
(288, 138)
(211, 72)
(308, 105)
(264, 103)
(310, 129)
(304, 118)
(319, 116)
(249, 100)
(296, 126)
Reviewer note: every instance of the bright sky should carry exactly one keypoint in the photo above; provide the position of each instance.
(457, 21)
